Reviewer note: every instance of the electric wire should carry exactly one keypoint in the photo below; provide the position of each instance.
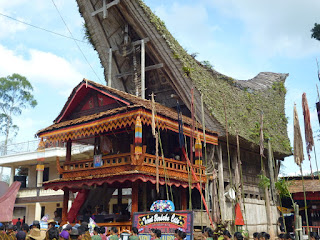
(76, 41)
(41, 28)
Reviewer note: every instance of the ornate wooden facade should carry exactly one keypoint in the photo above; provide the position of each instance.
(93, 112)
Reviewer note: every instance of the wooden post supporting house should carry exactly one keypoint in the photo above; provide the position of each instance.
(65, 205)
(135, 198)
(221, 185)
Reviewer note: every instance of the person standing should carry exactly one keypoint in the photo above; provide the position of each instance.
(114, 234)
(96, 235)
(134, 233)
(11, 234)
(3, 235)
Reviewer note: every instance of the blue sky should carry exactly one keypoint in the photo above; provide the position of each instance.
(240, 38)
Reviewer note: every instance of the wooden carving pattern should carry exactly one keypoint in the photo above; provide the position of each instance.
(121, 163)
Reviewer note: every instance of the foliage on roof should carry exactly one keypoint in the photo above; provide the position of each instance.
(244, 100)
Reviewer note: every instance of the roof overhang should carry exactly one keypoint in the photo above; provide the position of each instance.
(115, 119)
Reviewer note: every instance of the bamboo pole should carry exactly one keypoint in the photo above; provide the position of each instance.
(305, 202)
(221, 185)
(296, 222)
(271, 172)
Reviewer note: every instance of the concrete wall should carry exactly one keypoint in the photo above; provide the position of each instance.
(32, 176)
(53, 173)
(30, 213)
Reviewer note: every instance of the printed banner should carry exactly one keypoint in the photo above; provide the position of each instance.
(167, 222)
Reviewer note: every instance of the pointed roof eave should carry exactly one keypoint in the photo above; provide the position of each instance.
(73, 97)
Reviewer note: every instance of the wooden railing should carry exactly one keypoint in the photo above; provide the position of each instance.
(312, 229)
(121, 226)
(128, 162)
(108, 161)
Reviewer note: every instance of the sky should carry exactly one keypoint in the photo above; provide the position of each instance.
(239, 38)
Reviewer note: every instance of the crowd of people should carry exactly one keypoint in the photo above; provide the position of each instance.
(66, 232)
(81, 232)
(208, 234)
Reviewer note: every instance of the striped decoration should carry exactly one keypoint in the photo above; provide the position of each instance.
(138, 136)
(198, 150)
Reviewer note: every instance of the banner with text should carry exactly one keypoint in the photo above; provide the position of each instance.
(167, 222)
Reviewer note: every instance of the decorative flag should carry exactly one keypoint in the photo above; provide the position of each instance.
(239, 218)
(261, 136)
(198, 148)
(307, 125)
(297, 139)
(138, 136)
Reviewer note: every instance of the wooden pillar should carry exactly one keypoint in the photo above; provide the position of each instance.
(68, 153)
(135, 199)
(144, 197)
(65, 205)
(221, 185)
(119, 199)
(183, 197)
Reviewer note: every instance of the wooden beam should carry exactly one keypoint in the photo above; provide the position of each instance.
(68, 151)
(109, 66)
(148, 68)
(183, 198)
(105, 8)
(138, 42)
(143, 66)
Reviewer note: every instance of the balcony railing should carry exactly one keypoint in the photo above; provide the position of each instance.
(32, 146)
(37, 192)
(128, 162)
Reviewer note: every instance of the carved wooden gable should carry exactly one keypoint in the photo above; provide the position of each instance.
(87, 100)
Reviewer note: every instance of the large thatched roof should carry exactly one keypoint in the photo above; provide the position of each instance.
(244, 100)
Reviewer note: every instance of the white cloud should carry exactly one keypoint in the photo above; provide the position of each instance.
(41, 67)
(276, 27)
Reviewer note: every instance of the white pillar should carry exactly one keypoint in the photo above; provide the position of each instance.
(39, 178)
(37, 214)
(13, 172)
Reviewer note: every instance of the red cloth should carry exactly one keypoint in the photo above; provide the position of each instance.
(239, 218)
(7, 202)
(77, 204)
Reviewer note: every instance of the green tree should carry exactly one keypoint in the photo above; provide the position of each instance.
(15, 95)
(316, 31)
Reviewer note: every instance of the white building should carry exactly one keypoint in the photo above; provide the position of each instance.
(33, 201)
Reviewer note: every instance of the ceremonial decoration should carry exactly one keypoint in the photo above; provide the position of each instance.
(198, 152)
(162, 206)
(166, 222)
(138, 137)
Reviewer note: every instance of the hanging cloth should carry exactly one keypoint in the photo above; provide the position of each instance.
(307, 124)
(138, 137)
(297, 140)
(198, 150)
(239, 218)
